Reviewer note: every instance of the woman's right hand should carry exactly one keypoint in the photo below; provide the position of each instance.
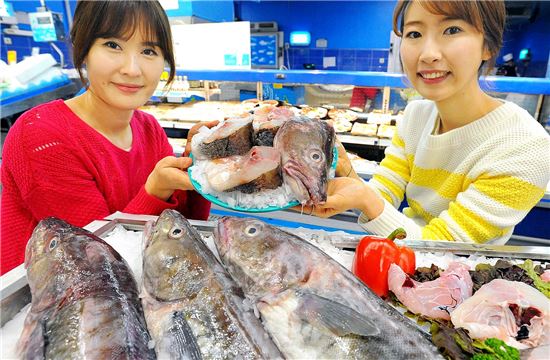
(169, 175)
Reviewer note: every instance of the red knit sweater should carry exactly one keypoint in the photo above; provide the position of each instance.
(54, 164)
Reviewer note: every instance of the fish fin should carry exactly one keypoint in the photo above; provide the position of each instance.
(32, 343)
(183, 343)
(340, 319)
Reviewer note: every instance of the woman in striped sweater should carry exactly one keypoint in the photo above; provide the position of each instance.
(471, 166)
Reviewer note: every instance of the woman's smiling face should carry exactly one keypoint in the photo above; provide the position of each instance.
(124, 73)
(441, 56)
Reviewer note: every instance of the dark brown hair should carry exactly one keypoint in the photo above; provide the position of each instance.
(486, 16)
(120, 19)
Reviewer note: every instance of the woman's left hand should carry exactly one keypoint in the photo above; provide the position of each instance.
(169, 175)
(343, 193)
(194, 130)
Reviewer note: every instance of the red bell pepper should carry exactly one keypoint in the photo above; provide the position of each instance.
(373, 257)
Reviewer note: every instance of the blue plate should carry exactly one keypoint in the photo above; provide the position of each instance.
(221, 203)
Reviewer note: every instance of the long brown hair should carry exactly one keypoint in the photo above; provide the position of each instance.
(486, 16)
(120, 19)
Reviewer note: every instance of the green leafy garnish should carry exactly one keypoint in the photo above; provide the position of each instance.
(542, 286)
(495, 349)
(452, 343)
(485, 273)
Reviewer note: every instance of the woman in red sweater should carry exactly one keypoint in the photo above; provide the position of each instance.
(87, 157)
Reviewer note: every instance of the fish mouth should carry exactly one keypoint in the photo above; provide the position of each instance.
(221, 237)
(148, 230)
(28, 253)
(307, 195)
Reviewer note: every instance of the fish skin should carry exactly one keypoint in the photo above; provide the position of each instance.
(183, 277)
(257, 170)
(264, 137)
(234, 137)
(306, 147)
(85, 302)
(267, 121)
(269, 180)
(292, 281)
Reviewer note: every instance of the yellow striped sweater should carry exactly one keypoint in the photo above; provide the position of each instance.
(471, 184)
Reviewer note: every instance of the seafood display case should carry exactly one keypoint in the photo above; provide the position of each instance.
(15, 293)
(317, 92)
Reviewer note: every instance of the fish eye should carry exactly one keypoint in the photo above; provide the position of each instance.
(53, 243)
(316, 155)
(252, 230)
(176, 232)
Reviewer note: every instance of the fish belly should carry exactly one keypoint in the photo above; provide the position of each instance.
(208, 322)
(97, 328)
(299, 339)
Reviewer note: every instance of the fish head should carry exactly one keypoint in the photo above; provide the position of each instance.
(53, 257)
(167, 262)
(306, 147)
(261, 258)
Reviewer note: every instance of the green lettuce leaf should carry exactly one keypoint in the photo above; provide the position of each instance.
(495, 349)
(542, 286)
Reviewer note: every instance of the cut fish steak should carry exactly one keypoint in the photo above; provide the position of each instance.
(257, 170)
(435, 299)
(512, 311)
(232, 137)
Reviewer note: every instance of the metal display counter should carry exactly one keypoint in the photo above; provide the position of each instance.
(15, 294)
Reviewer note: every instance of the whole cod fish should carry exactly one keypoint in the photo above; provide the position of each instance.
(312, 307)
(85, 303)
(193, 308)
(306, 147)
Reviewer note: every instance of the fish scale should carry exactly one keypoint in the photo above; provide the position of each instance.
(66, 336)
